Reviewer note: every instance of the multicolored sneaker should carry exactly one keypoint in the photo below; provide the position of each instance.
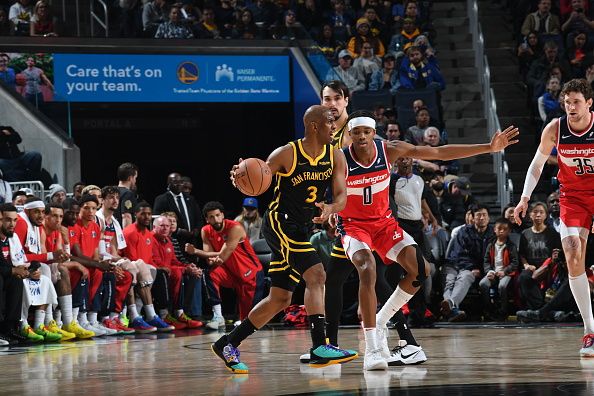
(124, 320)
(111, 324)
(31, 335)
(169, 319)
(54, 328)
(48, 336)
(229, 355)
(141, 327)
(588, 346)
(160, 325)
(80, 333)
(325, 355)
(125, 329)
(190, 323)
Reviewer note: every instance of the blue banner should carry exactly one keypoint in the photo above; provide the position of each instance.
(170, 78)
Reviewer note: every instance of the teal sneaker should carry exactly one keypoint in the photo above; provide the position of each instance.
(230, 355)
(325, 355)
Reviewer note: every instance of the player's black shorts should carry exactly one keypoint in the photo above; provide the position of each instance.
(292, 253)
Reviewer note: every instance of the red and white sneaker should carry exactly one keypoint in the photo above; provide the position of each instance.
(588, 348)
(190, 323)
(125, 329)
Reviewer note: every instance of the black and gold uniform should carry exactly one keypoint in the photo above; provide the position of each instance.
(338, 138)
(288, 218)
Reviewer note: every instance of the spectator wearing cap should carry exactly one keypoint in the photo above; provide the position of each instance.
(363, 35)
(250, 219)
(418, 72)
(345, 72)
(57, 194)
(407, 35)
(386, 77)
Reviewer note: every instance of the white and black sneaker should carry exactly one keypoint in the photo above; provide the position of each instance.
(405, 354)
(304, 358)
(374, 361)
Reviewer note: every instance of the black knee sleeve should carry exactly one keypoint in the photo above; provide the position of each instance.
(421, 267)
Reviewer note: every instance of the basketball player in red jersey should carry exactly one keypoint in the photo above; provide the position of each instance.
(367, 224)
(573, 135)
(304, 169)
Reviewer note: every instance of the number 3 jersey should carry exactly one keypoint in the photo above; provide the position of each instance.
(575, 154)
(367, 186)
(297, 191)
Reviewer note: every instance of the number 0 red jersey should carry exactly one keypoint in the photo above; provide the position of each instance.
(367, 186)
(575, 154)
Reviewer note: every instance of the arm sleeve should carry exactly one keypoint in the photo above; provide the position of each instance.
(534, 172)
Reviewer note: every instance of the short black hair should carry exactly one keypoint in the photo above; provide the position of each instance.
(78, 183)
(126, 170)
(87, 198)
(105, 191)
(48, 207)
(478, 207)
(336, 85)
(7, 207)
(212, 205)
(504, 221)
(141, 205)
(422, 108)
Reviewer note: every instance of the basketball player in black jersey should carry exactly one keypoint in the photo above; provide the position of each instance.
(304, 169)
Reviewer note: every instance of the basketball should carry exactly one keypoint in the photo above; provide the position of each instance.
(253, 177)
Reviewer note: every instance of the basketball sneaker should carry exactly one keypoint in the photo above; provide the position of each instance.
(115, 324)
(306, 356)
(190, 323)
(124, 320)
(169, 319)
(141, 327)
(107, 330)
(382, 341)
(230, 355)
(5, 340)
(405, 354)
(327, 354)
(54, 328)
(216, 323)
(76, 329)
(98, 331)
(588, 348)
(48, 336)
(160, 325)
(31, 335)
(374, 360)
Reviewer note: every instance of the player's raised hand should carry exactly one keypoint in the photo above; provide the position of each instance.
(233, 170)
(520, 210)
(502, 139)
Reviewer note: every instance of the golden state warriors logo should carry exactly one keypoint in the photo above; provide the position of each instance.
(187, 73)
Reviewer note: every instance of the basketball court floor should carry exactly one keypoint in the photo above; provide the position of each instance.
(462, 360)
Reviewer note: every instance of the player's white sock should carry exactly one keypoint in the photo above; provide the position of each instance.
(39, 317)
(82, 317)
(179, 312)
(394, 303)
(163, 313)
(132, 312)
(92, 316)
(581, 293)
(149, 310)
(58, 317)
(370, 338)
(66, 308)
(49, 314)
(216, 310)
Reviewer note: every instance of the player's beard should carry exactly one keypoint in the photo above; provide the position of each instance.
(217, 226)
(7, 233)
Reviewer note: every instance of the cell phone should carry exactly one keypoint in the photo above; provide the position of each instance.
(34, 266)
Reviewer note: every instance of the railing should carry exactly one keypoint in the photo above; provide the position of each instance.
(35, 186)
(96, 18)
(504, 183)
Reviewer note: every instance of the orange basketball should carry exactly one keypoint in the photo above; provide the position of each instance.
(253, 176)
